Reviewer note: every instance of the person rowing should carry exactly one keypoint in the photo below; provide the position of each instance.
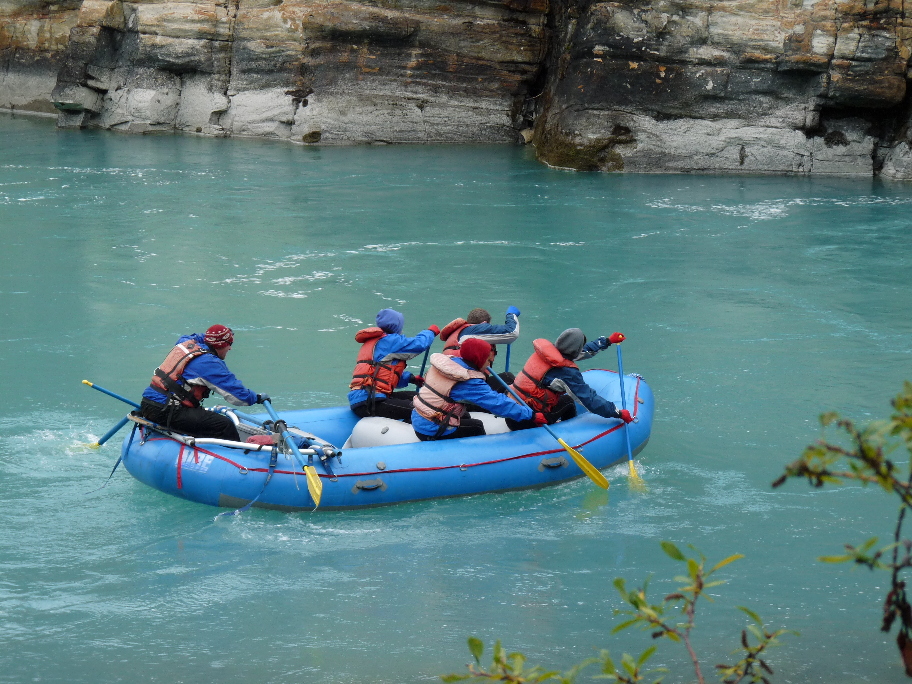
(193, 369)
(477, 325)
(452, 383)
(551, 383)
(380, 367)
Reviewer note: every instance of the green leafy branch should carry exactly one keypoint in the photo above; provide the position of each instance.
(511, 668)
(866, 460)
(657, 618)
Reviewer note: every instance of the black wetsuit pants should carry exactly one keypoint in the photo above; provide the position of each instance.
(397, 405)
(196, 422)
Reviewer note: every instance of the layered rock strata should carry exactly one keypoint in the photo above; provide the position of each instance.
(771, 86)
(782, 86)
(330, 71)
(33, 37)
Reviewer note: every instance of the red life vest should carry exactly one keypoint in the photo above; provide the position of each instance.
(450, 336)
(168, 378)
(433, 400)
(528, 383)
(370, 375)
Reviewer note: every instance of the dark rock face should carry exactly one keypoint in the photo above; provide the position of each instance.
(761, 86)
(735, 86)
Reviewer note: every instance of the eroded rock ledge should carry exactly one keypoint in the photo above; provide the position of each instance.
(762, 86)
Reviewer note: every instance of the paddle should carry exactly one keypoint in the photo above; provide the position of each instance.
(594, 474)
(507, 364)
(314, 486)
(427, 353)
(633, 471)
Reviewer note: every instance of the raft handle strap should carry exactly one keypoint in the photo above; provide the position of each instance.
(273, 460)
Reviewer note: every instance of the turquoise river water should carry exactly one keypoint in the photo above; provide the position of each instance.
(751, 305)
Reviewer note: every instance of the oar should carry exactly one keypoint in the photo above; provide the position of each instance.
(314, 486)
(110, 393)
(507, 364)
(594, 474)
(110, 433)
(633, 471)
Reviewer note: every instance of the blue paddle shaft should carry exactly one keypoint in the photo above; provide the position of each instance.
(507, 364)
(424, 361)
(110, 433)
(623, 400)
(111, 394)
(287, 437)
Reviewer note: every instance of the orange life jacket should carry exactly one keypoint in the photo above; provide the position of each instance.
(528, 383)
(450, 336)
(168, 378)
(433, 400)
(374, 376)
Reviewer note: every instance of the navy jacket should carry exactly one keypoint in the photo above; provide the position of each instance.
(571, 380)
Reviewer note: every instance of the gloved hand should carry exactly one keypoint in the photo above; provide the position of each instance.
(625, 416)
(417, 380)
(616, 338)
(513, 310)
(263, 397)
(540, 419)
(603, 342)
(434, 329)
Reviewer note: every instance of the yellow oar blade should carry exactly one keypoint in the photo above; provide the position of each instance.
(636, 482)
(594, 474)
(87, 445)
(314, 486)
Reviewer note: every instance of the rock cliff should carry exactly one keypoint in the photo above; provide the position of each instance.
(782, 86)
(762, 86)
(330, 71)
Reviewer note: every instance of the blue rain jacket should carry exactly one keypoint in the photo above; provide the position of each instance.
(478, 392)
(210, 371)
(494, 334)
(395, 346)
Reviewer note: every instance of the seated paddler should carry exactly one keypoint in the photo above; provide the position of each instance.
(477, 325)
(193, 369)
(551, 382)
(380, 367)
(451, 383)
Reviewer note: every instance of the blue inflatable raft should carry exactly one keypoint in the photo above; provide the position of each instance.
(377, 461)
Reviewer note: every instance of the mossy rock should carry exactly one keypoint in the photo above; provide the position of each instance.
(597, 155)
